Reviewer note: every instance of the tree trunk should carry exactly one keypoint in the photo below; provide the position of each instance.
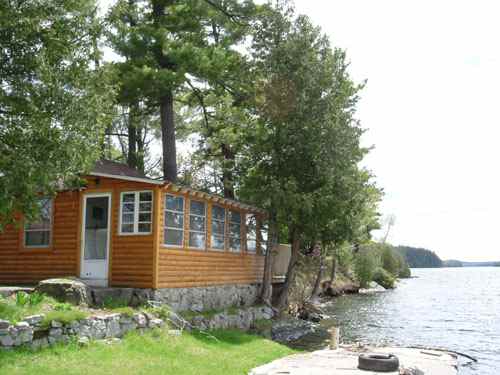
(140, 148)
(282, 301)
(168, 137)
(132, 137)
(272, 240)
(167, 122)
(319, 277)
(334, 266)
(227, 171)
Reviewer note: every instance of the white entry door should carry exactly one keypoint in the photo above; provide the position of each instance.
(95, 239)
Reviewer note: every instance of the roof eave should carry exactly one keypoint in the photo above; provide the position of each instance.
(127, 178)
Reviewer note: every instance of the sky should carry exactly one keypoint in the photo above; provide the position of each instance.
(431, 110)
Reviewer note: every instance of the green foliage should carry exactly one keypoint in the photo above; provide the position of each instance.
(22, 299)
(111, 303)
(63, 306)
(384, 278)
(420, 258)
(404, 272)
(31, 299)
(177, 50)
(127, 311)
(8, 311)
(52, 103)
(163, 312)
(389, 260)
(188, 314)
(364, 266)
(64, 317)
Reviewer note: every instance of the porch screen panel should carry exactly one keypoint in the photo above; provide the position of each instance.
(235, 231)
(251, 224)
(174, 220)
(218, 227)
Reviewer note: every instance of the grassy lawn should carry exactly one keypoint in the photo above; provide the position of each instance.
(156, 352)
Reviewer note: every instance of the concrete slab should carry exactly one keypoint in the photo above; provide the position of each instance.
(344, 361)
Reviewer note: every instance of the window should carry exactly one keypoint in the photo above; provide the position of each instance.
(174, 220)
(234, 231)
(263, 237)
(218, 225)
(37, 233)
(251, 223)
(197, 224)
(136, 215)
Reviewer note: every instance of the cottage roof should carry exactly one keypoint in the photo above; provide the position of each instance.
(112, 169)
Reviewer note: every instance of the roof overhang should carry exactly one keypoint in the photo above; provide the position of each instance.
(127, 178)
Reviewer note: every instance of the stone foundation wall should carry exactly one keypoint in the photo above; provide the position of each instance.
(208, 298)
(240, 318)
(182, 299)
(30, 332)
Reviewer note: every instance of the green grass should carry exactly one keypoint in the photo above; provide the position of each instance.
(65, 317)
(233, 352)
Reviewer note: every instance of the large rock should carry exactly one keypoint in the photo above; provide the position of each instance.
(66, 290)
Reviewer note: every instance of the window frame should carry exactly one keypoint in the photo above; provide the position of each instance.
(137, 202)
(189, 230)
(212, 228)
(164, 227)
(51, 228)
(229, 236)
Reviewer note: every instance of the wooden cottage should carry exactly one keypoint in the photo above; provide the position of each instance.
(126, 230)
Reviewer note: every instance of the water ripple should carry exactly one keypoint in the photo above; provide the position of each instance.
(455, 308)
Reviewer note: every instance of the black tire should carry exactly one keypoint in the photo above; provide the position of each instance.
(378, 362)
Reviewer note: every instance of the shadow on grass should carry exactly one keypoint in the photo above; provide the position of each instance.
(227, 337)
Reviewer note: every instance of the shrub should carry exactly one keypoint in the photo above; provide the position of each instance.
(405, 272)
(8, 311)
(22, 299)
(114, 303)
(364, 267)
(127, 311)
(162, 312)
(65, 317)
(384, 278)
(63, 306)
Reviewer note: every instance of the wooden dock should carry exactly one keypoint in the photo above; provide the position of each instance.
(344, 361)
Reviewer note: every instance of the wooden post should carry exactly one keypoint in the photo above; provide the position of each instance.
(334, 338)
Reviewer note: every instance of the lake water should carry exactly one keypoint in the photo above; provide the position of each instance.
(453, 308)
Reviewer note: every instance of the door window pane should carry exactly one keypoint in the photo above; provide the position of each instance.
(96, 228)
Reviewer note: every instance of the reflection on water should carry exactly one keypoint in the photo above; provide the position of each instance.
(454, 308)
